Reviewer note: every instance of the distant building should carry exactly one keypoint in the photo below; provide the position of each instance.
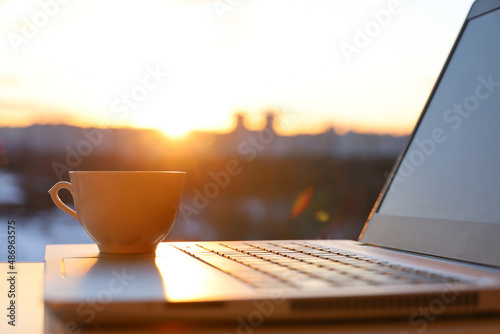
(134, 142)
(328, 143)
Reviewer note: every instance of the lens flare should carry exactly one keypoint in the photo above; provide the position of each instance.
(302, 201)
(322, 216)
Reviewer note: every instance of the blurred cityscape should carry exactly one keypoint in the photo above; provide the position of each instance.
(280, 187)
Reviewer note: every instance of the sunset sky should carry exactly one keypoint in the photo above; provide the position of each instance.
(185, 65)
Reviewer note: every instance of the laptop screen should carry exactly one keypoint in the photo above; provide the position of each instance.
(451, 169)
(443, 198)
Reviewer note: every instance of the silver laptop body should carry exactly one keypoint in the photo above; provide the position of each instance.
(429, 248)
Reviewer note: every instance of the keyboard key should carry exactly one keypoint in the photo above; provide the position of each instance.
(312, 284)
(305, 265)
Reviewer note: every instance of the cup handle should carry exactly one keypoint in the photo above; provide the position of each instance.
(54, 194)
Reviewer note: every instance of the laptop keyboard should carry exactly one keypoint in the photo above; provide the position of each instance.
(305, 265)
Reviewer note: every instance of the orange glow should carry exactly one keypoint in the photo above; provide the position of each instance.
(302, 202)
(255, 55)
(76, 267)
(167, 259)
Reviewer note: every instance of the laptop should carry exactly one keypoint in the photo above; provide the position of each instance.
(429, 248)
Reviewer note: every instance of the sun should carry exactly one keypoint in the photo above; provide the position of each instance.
(178, 115)
(178, 127)
(186, 119)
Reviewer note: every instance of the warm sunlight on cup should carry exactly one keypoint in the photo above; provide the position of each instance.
(123, 212)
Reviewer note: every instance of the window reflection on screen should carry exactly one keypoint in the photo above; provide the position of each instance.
(452, 168)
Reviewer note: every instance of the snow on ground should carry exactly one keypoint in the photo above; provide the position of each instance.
(10, 189)
(35, 232)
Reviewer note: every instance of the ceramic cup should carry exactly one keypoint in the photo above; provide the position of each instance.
(123, 212)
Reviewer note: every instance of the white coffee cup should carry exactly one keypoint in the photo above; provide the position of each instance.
(123, 212)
